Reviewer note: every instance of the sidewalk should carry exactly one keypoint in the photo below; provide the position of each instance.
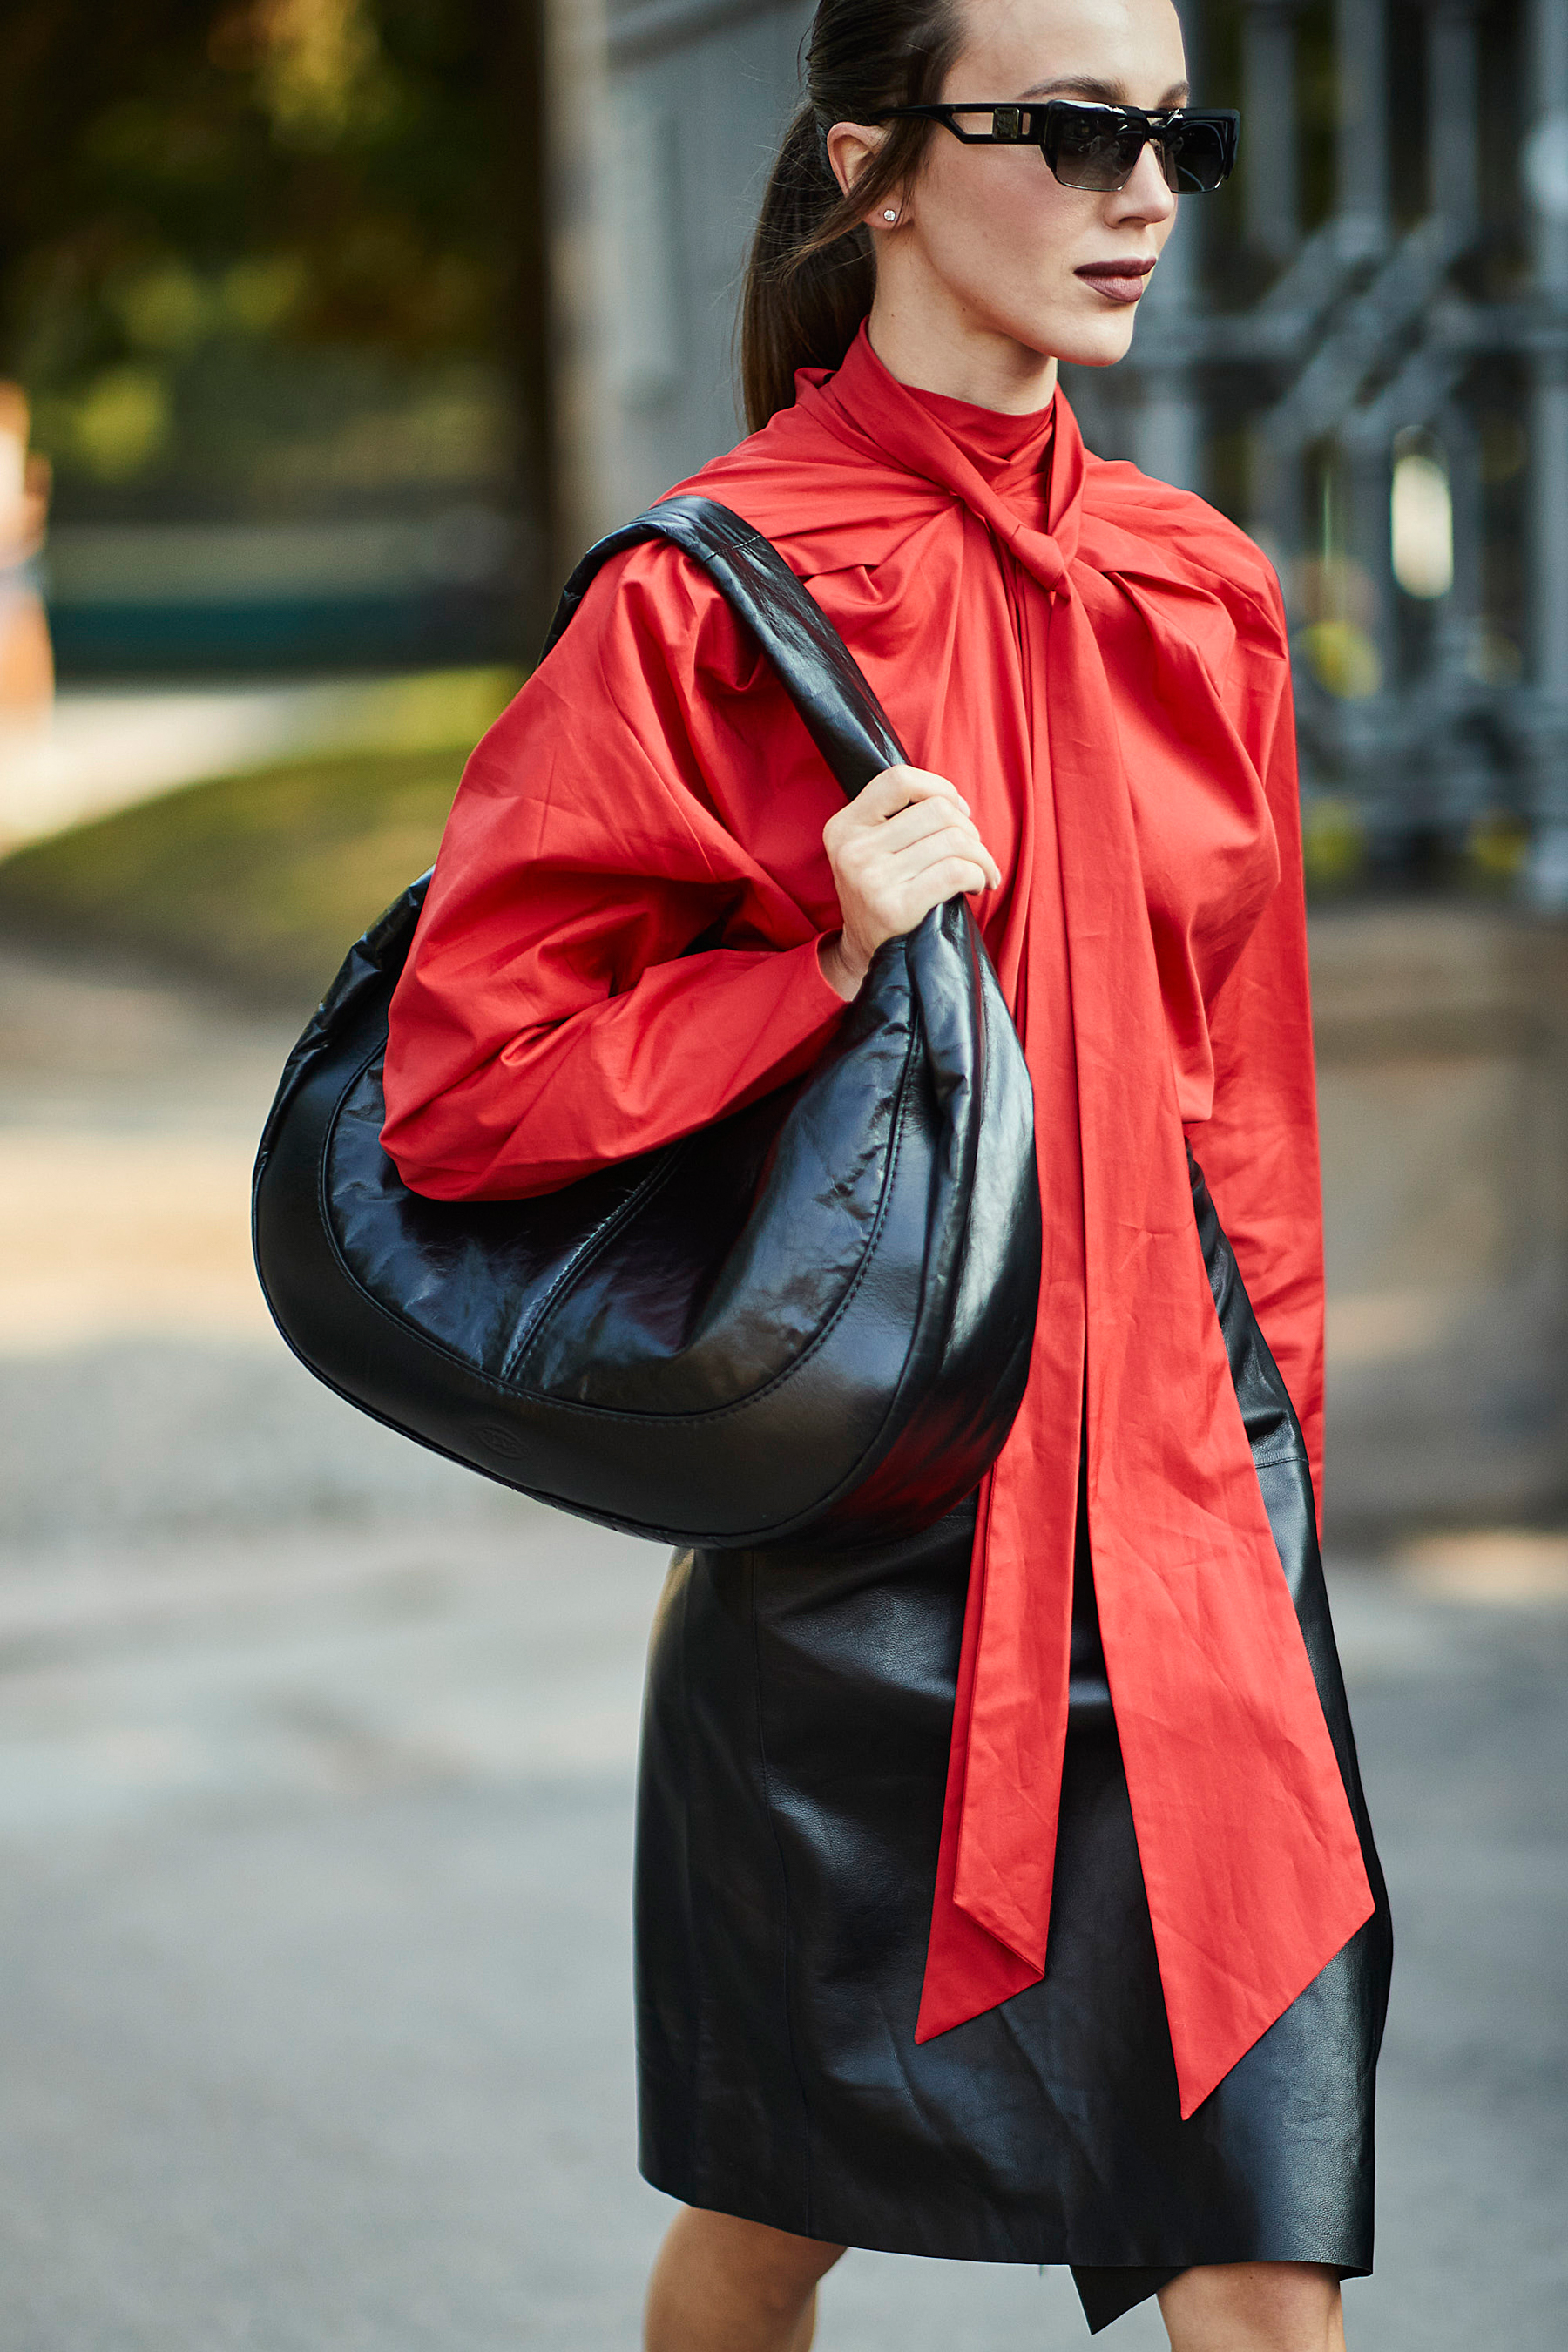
(105, 747)
(315, 1819)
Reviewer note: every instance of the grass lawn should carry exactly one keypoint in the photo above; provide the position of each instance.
(259, 881)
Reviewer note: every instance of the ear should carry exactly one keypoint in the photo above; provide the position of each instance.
(850, 147)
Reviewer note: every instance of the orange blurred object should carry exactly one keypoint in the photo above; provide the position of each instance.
(26, 658)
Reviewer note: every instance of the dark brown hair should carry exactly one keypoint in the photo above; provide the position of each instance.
(811, 274)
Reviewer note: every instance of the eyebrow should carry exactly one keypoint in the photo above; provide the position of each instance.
(1105, 93)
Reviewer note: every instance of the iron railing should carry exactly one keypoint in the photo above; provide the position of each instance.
(1362, 353)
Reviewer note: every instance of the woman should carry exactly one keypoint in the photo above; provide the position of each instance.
(1003, 1893)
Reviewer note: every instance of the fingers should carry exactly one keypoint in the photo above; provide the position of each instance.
(894, 900)
(898, 851)
(893, 864)
(906, 845)
(919, 821)
(936, 821)
(943, 878)
(903, 807)
(898, 788)
(951, 848)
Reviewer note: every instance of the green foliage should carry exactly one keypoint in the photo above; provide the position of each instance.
(193, 187)
(260, 882)
(1333, 844)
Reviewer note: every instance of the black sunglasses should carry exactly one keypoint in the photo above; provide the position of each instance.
(1098, 147)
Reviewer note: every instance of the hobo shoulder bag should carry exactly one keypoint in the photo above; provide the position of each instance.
(810, 1320)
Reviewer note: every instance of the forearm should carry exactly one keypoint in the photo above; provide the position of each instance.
(507, 1114)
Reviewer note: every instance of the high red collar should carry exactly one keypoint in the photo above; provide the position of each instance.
(865, 404)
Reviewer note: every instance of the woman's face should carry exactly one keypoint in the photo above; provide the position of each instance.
(990, 248)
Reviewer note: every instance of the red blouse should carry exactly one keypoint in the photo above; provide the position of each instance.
(1099, 663)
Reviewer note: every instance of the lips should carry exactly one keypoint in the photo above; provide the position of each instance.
(1118, 281)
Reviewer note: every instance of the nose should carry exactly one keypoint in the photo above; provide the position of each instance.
(1147, 195)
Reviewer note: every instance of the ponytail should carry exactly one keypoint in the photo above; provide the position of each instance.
(811, 271)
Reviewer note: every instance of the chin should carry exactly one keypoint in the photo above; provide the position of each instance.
(1066, 334)
(1095, 342)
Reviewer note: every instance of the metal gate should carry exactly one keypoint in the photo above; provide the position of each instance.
(1361, 353)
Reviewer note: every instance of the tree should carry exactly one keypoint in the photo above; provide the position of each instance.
(202, 199)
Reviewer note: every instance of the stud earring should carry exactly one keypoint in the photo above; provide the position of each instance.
(890, 215)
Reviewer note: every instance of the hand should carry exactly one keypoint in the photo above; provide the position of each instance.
(900, 848)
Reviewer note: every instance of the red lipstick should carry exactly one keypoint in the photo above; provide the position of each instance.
(1123, 280)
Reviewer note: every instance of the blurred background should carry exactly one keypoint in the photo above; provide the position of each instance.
(331, 332)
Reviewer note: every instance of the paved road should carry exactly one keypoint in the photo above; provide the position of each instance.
(315, 1770)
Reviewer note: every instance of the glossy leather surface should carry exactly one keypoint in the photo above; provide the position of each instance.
(815, 1315)
(795, 1760)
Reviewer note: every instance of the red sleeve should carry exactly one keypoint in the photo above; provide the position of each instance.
(651, 787)
(1259, 1149)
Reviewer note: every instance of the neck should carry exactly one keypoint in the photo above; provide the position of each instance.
(958, 360)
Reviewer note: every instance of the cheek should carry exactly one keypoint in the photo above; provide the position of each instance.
(1013, 231)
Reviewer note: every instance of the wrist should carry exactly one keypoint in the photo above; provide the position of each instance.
(839, 969)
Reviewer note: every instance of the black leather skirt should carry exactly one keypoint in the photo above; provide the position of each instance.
(795, 1758)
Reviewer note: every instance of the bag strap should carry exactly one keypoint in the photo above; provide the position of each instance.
(816, 668)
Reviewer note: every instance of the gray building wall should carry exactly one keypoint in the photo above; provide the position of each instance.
(693, 98)
(698, 95)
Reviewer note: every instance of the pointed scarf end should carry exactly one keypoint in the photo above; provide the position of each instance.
(1200, 2073)
(967, 1972)
(945, 2005)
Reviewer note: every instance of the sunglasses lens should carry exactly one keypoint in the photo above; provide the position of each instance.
(1095, 147)
(1194, 159)
(1092, 148)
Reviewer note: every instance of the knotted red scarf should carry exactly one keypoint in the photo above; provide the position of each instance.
(1251, 1861)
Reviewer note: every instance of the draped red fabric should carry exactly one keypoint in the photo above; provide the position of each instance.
(620, 944)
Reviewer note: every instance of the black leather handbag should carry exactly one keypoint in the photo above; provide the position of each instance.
(812, 1319)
